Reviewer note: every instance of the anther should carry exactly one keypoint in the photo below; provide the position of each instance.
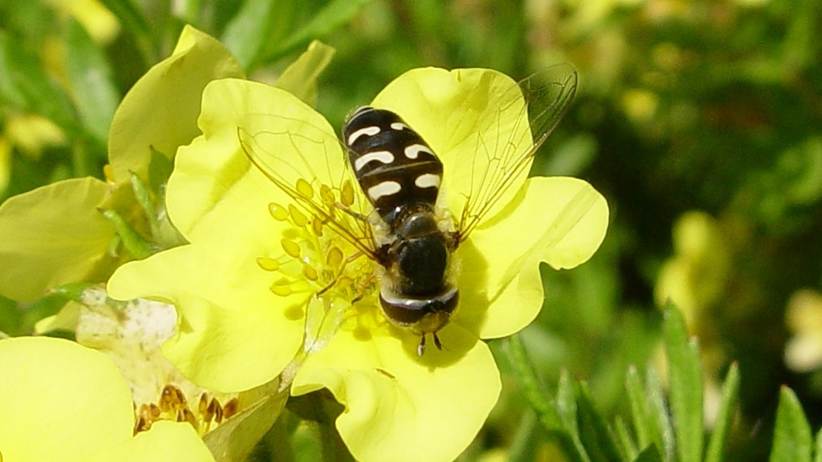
(268, 264)
(231, 407)
(291, 248)
(327, 195)
(334, 257)
(281, 287)
(297, 217)
(347, 194)
(317, 227)
(278, 212)
(310, 273)
(305, 189)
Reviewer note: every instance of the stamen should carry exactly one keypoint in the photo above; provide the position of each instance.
(347, 194)
(310, 273)
(172, 405)
(282, 287)
(317, 227)
(334, 257)
(278, 211)
(297, 217)
(291, 248)
(268, 264)
(305, 189)
(327, 195)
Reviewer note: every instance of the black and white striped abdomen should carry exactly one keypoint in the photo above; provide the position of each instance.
(393, 164)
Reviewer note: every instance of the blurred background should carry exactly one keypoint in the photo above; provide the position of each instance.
(698, 120)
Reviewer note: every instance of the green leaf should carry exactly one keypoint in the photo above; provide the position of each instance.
(792, 434)
(525, 443)
(135, 244)
(685, 378)
(566, 407)
(234, 440)
(51, 236)
(26, 85)
(133, 21)
(594, 432)
(94, 92)
(256, 24)
(626, 442)
(818, 449)
(649, 454)
(529, 381)
(659, 413)
(727, 408)
(160, 111)
(331, 16)
(300, 78)
(644, 421)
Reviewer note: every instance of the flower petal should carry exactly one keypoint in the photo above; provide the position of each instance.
(52, 235)
(467, 116)
(234, 333)
(395, 403)
(160, 111)
(558, 220)
(165, 442)
(59, 400)
(212, 175)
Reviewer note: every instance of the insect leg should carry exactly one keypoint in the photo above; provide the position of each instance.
(421, 346)
(437, 341)
(351, 258)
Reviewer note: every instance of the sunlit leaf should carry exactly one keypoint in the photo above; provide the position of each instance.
(730, 396)
(792, 438)
(94, 92)
(300, 78)
(685, 377)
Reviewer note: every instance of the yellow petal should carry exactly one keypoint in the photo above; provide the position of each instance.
(558, 220)
(165, 442)
(51, 236)
(160, 111)
(59, 401)
(467, 116)
(234, 334)
(214, 184)
(398, 406)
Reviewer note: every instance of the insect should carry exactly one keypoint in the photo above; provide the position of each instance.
(397, 218)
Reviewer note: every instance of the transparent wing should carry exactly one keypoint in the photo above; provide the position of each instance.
(308, 164)
(506, 144)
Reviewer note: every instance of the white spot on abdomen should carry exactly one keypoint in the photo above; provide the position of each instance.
(383, 156)
(427, 180)
(398, 126)
(386, 188)
(415, 149)
(367, 131)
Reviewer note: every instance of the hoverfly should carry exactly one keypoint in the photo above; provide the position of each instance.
(396, 217)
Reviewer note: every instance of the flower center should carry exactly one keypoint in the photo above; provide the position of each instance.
(172, 405)
(331, 272)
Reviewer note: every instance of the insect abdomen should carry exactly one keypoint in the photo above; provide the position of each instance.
(392, 162)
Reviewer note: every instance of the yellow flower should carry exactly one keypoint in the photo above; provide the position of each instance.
(61, 401)
(803, 352)
(247, 307)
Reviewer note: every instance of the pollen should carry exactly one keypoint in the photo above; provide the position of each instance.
(172, 405)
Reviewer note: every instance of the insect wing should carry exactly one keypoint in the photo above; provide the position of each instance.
(307, 163)
(506, 144)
